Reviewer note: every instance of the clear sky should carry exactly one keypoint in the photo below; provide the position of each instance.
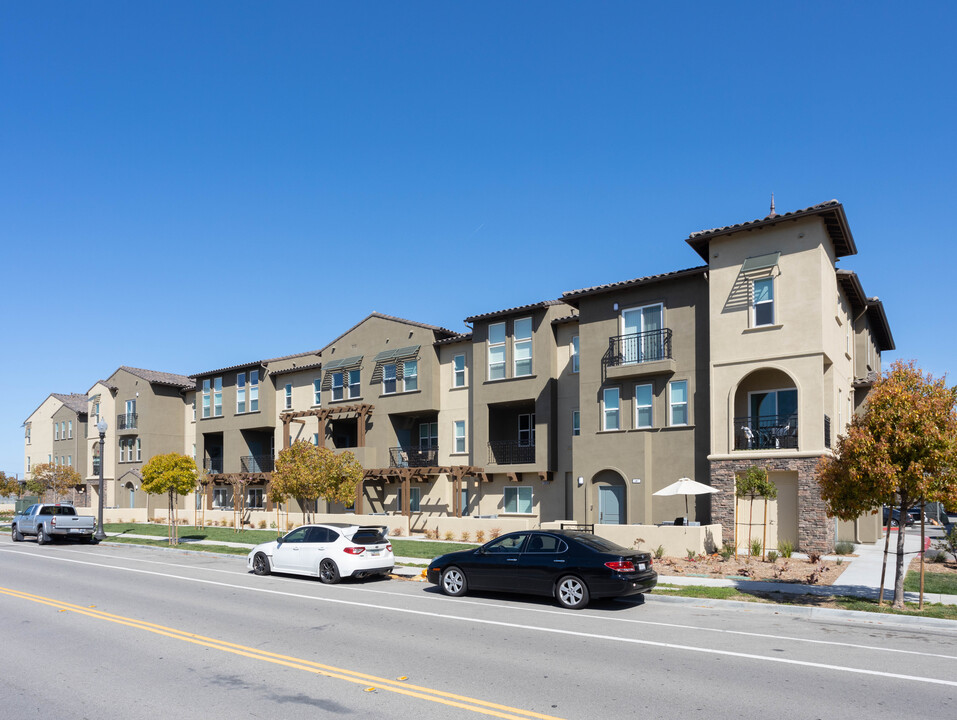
(191, 185)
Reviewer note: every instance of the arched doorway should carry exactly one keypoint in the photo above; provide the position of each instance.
(610, 498)
(131, 494)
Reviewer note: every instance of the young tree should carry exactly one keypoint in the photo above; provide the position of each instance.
(307, 473)
(58, 479)
(10, 486)
(901, 450)
(173, 474)
(754, 483)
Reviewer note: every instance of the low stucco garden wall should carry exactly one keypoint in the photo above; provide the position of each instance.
(677, 541)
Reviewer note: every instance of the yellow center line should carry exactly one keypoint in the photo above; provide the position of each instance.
(460, 701)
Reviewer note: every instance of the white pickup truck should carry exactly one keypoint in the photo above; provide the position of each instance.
(52, 521)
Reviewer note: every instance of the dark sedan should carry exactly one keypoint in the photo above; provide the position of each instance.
(571, 566)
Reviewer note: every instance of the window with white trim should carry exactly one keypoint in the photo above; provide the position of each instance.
(611, 411)
(518, 500)
(338, 380)
(218, 397)
(56, 431)
(287, 396)
(410, 375)
(428, 435)
(222, 496)
(253, 391)
(317, 392)
(69, 460)
(354, 389)
(762, 293)
(139, 449)
(678, 402)
(459, 434)
(644, 398)
(415, 499)
(241, 392)
(388, 378)
(206, 396)
(496, 351)
(575, 356)
(194, 408)
(255, 498)
(576, 422)
(526, 430)
(522, 346)
(69, 429)
(458, 371)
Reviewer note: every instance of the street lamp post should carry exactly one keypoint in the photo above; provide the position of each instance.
(99, 534)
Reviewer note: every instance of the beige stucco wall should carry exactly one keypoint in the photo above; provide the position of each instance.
(40, 447)
(454, 405)
(677, 541)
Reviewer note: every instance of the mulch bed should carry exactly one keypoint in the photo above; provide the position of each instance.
(793, 570)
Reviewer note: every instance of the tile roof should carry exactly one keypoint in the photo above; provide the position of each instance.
(254, 363)
(509, 311)
(461, 337)
(75, 401)
(296, 368)
(832, 212)
(566, 319)
(382, 316)
(160, 378)
(621, 285)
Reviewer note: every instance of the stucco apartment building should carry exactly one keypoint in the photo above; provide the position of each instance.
(576, 408)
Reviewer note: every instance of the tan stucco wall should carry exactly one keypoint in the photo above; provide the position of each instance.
(40, 447)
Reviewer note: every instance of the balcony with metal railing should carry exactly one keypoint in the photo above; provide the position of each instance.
(766, 432)
(639, 354)
(257, 463)
(510, 452)
(213, 466)
(126, 421)
(414, 456)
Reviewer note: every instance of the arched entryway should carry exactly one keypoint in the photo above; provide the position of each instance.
(130, 494)
(610, 498)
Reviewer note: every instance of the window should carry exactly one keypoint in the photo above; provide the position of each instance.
(642, 337)
(317, 391)
(315, 439)
(575, 354)
(28, 434)
(678, 400)
(28, 463)
(255, 497)
(610, 410)
(410, 375)
(459, 436)
(576, 422)
(222, 497)
(415, 497)
(388, 378)
(139, 449)
(337, 385)
(458, 371)
(526, 430)
(428, 435)
(518, 500)
(131, 413)
(763, 293)
(288, 396)
(69, 460)
(96, 412)
(496, 351)
(643, 406)
(56, 431)
(253, 391)
(218, 397)
(206, 398)
(194, 408)
(241, 392)
(69, 428)
(354, 384)
(522, 347)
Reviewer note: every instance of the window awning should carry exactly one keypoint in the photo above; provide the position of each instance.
(404, 352)
(761, 262)
(343, 363)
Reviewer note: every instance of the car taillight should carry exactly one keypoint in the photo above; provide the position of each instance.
(54, 521)
(355, 550)
(621, 565)
(389, 547)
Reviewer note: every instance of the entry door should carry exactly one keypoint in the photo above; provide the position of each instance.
(642, 324)
(611, 504)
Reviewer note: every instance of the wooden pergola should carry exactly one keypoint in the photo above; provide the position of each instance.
(406, 475)
(361, 411)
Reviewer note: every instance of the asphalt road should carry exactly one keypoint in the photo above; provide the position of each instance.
(122, 632)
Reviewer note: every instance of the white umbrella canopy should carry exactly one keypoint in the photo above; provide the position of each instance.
(686, 487)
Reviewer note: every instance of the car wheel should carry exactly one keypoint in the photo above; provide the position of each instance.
(454, 582)
(894, 522)
(328, 572)
(42, 537)
(571, 592)
(260, 564)
(17, 535)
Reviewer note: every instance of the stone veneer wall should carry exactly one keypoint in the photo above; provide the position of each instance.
(815, 529)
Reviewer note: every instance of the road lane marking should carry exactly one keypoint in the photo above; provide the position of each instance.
(463, 601)
(379, 683)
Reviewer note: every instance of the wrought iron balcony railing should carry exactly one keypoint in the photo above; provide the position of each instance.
(213, 466)
(414, 456)
(639, 347)
(127, 421)
(827, 432)
(510, 452)
(257, 463)
(766, 432)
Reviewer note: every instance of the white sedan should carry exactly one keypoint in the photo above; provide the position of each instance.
(329, 552)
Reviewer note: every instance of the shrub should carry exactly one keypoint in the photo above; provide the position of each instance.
(756, 547)
(844, 548)
(262, 524)
(465, 536)
(289, 525)
(495, 532)
(772, 555)
(786, 548)
(272, 525)
(449, 535)
(396, 532)
(692, 555)
(727, 550)
(659, 552)
(949, 542)
(813, 558)
(479, 536)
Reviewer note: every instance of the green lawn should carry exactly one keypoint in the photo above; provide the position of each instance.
(934, 582)
(402, 548)
(191, 547)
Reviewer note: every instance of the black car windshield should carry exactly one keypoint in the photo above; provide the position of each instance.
(600, 544)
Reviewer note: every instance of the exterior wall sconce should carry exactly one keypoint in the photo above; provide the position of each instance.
(581, 481)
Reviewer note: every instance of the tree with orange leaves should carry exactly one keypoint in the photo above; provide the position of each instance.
(902, 450)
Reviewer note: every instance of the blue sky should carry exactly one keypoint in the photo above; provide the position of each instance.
(190, 185)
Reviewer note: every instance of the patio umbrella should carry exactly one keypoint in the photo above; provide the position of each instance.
(686, 487)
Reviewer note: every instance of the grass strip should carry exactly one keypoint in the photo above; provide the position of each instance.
(934, 582)
(189, 547)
